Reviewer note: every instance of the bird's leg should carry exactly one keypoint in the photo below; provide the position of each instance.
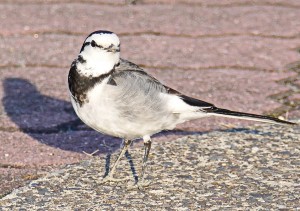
(147, 147)
(110, 177)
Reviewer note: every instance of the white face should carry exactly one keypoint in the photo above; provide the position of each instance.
(101, 51)
(109, 41)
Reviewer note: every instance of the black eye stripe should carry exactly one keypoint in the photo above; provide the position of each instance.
(94, 44)
(108, 49)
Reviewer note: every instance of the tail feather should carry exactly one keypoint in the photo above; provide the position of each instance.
(241, 115)
(213, 110)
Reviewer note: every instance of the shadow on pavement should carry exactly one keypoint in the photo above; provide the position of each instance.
(50, 121)
(53, 122)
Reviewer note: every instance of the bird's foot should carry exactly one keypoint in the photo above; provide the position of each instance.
(139, 185)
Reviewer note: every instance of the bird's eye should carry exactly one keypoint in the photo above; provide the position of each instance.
(93, 43)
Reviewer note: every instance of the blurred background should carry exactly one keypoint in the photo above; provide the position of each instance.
(236, 54)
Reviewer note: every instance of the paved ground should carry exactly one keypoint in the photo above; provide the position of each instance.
(238, 54)
(253, 168)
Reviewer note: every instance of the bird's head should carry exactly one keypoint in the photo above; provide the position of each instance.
(99, 53)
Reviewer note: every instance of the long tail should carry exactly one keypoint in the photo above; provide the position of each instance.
(240, 115)
(213, 110)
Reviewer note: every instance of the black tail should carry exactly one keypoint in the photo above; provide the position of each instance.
(213, 110)
(247, 116)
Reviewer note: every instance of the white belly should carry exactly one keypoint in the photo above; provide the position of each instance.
(108, 113)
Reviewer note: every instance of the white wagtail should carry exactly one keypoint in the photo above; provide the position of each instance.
(116, 97)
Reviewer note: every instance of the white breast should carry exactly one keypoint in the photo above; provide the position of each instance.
(103, 114)
(108, 112)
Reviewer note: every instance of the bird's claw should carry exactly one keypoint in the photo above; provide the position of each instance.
(139, 185)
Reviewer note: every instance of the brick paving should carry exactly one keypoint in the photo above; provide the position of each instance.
(242, 55)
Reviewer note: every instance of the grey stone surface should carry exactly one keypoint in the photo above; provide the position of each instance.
(245, 168)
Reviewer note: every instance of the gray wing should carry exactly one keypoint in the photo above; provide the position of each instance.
(147, 83)
(137, 95)
(138, 79)
(136, 83)
(126, 65)
(138, 98)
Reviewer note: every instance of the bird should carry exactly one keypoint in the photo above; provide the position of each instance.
(118, 98)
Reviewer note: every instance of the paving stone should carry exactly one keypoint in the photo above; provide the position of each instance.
(295, 113)
(237, 52)
(243, 52)
(108, 2)
(217, 3)
(295, 97)
(227, 87)
(43, 149)
(261, 21)
(282, 3)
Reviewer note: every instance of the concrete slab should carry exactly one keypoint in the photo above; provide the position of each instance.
(254, 168)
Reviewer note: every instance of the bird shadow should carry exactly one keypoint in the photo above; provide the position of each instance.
(53, 122)
(49, 120)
